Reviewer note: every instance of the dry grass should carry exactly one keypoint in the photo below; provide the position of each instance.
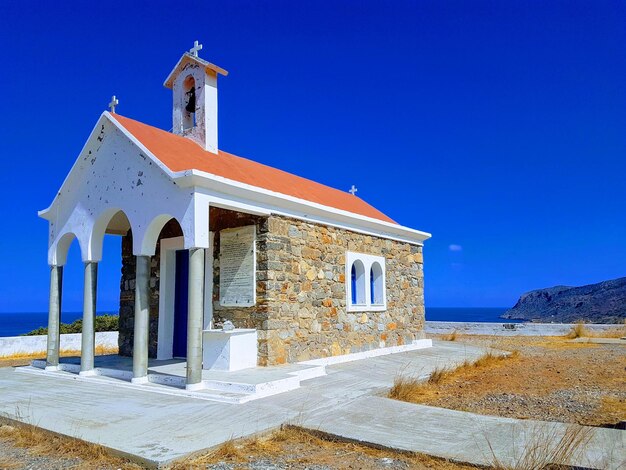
(549, 379)
(100, 351)
(612, 409)
(40, 442)
(414, 390)
(548, 448)
(580, 330)
(293, 447)
(451, 337)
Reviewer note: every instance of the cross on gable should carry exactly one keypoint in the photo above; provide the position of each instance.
(196, 47)
(114, 102)
(353, 190)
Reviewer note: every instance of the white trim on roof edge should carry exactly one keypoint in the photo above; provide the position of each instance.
(259, 200)
(226, 192)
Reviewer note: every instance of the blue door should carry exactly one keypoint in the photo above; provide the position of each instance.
(181, 292)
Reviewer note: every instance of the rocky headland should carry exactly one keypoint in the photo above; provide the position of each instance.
(604, 302)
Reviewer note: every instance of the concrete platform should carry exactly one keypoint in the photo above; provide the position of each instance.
(240, 386)
(168, 377)
(160, 428)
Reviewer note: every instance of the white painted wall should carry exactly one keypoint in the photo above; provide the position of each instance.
(14, 345)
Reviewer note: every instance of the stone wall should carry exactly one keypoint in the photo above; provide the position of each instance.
(301, 311)
(306, 294)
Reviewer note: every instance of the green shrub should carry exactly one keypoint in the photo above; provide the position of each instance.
(103, 323)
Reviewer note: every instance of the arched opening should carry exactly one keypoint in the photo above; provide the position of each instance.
(376, 284)
(69, 256)
(155, 231)
(189, 102)
(163, 239)
(112, 227)
(105, 248)
(358, 283)
(59, 257)
(168, 321)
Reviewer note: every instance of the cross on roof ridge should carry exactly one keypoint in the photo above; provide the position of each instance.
(114, 102)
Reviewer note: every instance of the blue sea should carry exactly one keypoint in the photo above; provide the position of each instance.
(15, 324)
(478, 314)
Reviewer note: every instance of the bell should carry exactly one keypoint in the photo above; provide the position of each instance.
(191, 103)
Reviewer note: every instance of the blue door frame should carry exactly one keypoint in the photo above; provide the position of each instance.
(181, 294)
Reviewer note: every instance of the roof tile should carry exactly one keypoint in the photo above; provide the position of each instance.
(179, 153)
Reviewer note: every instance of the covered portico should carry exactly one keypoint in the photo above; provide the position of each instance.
(90, 240)
(195, 239)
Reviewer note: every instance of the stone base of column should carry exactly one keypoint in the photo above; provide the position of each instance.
(88, 373)
(140, 380)
(194, 387)
(52, 368)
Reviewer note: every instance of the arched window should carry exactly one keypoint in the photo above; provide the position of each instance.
(189, 115)
(376, 284)
(365, 282)
(358, 283)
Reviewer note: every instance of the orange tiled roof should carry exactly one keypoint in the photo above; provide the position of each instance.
(179, 154)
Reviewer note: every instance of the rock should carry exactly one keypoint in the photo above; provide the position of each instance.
(604, 302)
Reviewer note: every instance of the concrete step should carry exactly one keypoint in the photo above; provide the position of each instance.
(211, 389)
(209, 395)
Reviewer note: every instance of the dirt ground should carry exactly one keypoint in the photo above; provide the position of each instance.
(297, 449)
(549, 379)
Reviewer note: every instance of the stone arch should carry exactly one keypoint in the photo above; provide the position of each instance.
(146, 245)
(59, 250)
(96, 237)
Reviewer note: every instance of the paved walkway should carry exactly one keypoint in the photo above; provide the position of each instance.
(462, 436)
(346, 402)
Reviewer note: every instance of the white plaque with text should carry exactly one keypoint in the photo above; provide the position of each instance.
(238, 267)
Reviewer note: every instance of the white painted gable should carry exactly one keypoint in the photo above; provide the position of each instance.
(115, 173)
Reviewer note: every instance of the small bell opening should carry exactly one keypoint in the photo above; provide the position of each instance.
(189, 118)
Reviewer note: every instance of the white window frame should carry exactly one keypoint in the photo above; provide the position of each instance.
(368, 261)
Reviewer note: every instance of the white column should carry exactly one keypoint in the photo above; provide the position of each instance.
(88, 340)
(195, 318)
(142, 318)
(54, 317)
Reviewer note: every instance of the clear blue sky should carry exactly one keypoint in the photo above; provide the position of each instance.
(500, 127)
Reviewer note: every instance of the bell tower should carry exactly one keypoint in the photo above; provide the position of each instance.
(193, 82)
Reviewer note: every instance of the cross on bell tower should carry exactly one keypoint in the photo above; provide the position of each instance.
(197, 47)
(114, 102)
